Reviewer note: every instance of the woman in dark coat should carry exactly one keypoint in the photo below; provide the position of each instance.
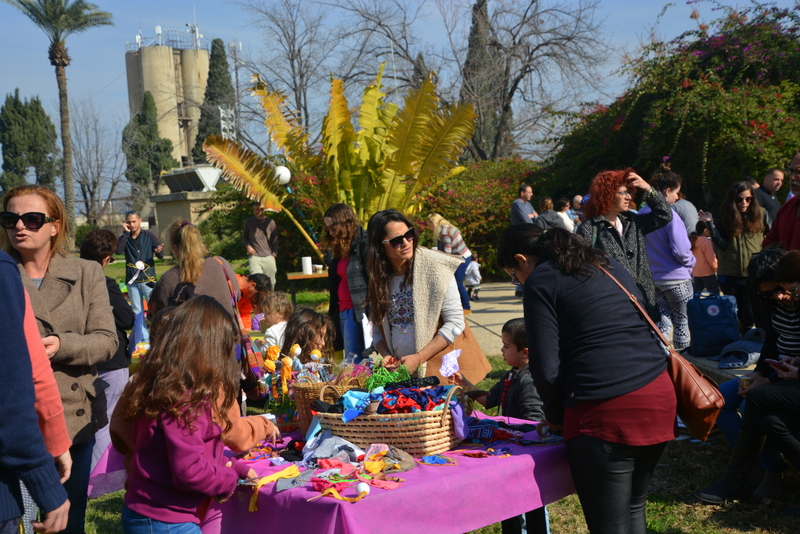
(598, 367)
(610, 227)
(346, 243)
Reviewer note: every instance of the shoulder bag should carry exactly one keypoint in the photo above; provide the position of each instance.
(699, 399)
(253, 367)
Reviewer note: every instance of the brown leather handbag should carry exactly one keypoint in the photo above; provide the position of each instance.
(699, 399)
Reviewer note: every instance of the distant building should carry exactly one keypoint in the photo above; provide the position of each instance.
(174, 68)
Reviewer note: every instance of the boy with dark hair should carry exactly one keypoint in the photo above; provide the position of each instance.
(517, 397)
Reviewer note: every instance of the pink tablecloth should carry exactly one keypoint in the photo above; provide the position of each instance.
(436, 499)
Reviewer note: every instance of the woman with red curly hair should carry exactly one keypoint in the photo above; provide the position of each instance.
(610, 227)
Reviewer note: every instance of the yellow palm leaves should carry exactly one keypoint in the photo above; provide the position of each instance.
(394, 157)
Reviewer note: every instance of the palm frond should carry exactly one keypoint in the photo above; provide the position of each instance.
(283, 124)
(337, 134)
(245, 169)
(371, 102)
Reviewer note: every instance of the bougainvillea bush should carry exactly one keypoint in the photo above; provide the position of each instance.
(478, 202)
(718, 103)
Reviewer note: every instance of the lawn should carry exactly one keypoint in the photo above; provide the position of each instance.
(684, 468)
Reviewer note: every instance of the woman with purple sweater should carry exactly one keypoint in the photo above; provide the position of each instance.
(669, 252)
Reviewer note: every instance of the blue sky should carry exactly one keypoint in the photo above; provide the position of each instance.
(98, 56)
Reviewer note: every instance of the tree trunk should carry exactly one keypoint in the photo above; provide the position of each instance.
(66, 144)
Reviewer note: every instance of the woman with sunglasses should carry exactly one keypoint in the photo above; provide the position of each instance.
(611, 227)
(772, 406)
(598, 368)
(75, 320)
(346, 244)
(411, 291)
(737, 235)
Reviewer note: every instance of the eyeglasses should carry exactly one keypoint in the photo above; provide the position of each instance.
(131, 212)
(33, 220)
(796, 170)
(624, 194)
(746, 200)
(111, 259)
(778, 290)
(397, 242)
(514, 280)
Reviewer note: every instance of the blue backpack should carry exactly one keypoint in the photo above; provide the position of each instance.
(713, 323)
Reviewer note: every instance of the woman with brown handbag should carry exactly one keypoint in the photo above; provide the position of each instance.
(598, 367)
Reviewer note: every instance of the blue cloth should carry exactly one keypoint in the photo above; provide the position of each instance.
(133, 523)
(462, 291)
(352, 334)
(77, 485)
(137, 292)
(742, 353)
(23, 456)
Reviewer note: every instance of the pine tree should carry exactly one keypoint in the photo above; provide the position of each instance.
(28, 137)
(147, 153)
(219, 92)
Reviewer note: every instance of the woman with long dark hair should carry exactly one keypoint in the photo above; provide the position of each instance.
(609, 226)
(346, 243)
(598, 367)
(411, 289)
(737, 235)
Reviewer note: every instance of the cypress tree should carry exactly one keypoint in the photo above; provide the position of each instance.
(219, 92)
(146, 152)
(29, 138)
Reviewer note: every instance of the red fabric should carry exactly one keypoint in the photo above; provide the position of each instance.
(48, 400)
(786, 228)
(245, 308)
(645, 416)
(345, 301)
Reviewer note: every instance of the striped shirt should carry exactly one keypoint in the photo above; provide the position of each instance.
(787, 323)
(450, 242)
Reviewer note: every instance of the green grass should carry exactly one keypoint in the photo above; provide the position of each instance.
(684, 468)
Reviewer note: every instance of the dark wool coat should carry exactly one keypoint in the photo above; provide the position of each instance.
(630, 249)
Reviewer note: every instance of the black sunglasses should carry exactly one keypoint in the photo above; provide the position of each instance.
(33, 220)
(397, 242)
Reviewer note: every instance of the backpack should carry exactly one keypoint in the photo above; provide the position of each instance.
(713, 323)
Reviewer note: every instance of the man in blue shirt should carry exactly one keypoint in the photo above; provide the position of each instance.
(521, 209)
(139, 246)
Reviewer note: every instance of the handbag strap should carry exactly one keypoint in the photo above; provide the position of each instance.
(641, 309)
(242, 329)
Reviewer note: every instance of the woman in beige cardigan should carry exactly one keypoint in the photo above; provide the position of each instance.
(413, 298)
(70, 302)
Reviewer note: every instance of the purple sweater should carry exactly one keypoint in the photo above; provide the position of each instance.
(669, 250)
(174, 469)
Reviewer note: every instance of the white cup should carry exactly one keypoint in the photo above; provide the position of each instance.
(306, 263)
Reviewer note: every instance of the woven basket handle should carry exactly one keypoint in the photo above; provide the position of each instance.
(326, 386)
(447, 403)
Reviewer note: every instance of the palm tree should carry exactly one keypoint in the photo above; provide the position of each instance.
(58, 19)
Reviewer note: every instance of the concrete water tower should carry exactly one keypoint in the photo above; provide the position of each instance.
(173, 66)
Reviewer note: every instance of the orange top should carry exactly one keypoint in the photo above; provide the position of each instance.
(48, 400)
(703, 251)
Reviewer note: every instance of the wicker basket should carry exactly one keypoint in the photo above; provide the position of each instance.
(305, 393)
(419, 433)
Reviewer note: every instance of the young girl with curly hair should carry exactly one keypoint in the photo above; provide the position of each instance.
(176, 408)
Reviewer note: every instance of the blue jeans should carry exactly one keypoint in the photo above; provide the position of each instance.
(133, 523)
(77, 486)
(730, 419)
(462, 291)
(612, 480)
(352, 334)
(137, 292)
